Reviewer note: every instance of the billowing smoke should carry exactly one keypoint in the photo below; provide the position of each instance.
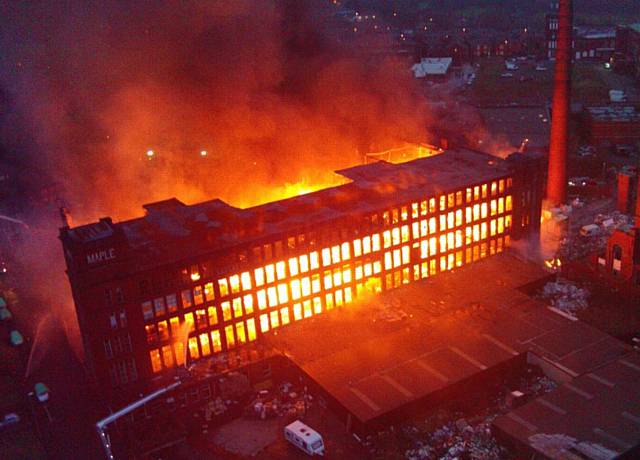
(274, 91)
(271, 90)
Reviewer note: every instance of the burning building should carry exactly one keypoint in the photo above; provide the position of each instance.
(186, 282)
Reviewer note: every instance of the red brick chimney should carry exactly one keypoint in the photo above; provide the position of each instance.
(623, 202)
(557, 175)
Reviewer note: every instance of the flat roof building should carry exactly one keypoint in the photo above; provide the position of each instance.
(188, 282)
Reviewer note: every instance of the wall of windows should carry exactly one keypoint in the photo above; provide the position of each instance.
(296, 278)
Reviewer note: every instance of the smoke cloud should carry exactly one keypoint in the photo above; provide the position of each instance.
(271, 90)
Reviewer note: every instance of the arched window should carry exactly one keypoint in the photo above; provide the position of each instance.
(617, 252)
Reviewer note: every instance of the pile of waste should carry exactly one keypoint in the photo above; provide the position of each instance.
(457, 440)
(565, 296)
(283, 401)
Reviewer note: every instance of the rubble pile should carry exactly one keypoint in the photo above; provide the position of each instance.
(565, 296)
(286, 401)
(459, 440)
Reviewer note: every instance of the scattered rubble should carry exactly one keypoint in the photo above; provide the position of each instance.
(565, 296)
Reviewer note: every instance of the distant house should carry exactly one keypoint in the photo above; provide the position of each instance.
(432, 68)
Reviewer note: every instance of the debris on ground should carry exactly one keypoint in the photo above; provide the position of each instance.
(565, 296)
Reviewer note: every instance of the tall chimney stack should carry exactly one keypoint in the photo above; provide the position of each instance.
(558, 146)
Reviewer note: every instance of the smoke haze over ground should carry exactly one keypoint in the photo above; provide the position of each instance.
(264, 87)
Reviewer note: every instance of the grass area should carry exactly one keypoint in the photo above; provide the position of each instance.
(590, 83)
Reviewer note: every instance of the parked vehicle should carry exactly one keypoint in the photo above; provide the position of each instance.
(304, 438)
(9, 419)
(41, 391)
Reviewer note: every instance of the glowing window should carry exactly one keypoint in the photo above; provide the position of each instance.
(234, 281)
(484, 190)
(315, 283)
(304, 264)
(443, 263)
(508, 203)
(394, 216)
(443, 203)
(494, 207)
(404, 233)
(317, 305)
(459, 198)
(368, 269)
(346, 274)
(405, 255)
(274, 319)
(366, 245)
(174, 324)
(450, 261)
(476, 193)
(242, 338)
(375, 242)
(339, 298)
(262, 299)
(284, 315)
(264, 322)
(295, 289)
(223, 285)
(501, 186)
(396, 258)
(443, 222)
(443, 243)
(272, 296)
(432, 225)
(314, 261)
(388, 263)
(306, 286)
(424, 249)
(337, 277)
(251, 329)
(500, 205)
(306, 308)
(507, 221)
(358, 271)
(228, 333)
(281, 272)
(483, 230)
(404, 214)
(156, 363)
(467, 233)
(450, 219)
(178, 348)
(423, 208)
(328, 280)
(283, 295)
(297, 312)
(328, 301)
(476, 212)
(194, 353)
(458, 238)
(494, 188)
(483, 210)
(424, 227)
(415, 230)
(469, 194)
(237, 307)
(204, 344)
(208, 292)
(167, 356)
(357, 248)
(201, 318)
(451, 200)
(458, 217)
(377, 267)
(386, 236)
(432, 205)
(258, 274)
(245, 279)
(433, 246)
(226, 310)
(248, 304)
(414, 210)
(501, 225)
(216, 341)
(326, 257)
(211, 313)
(476, 233)
(345, 251)
(492, 228)
(270, 271)
(335, 254)
(395, 236)
(468, 214)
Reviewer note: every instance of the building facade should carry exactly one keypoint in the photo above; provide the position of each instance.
(185, 283)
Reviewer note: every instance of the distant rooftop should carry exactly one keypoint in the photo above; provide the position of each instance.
(431, 67)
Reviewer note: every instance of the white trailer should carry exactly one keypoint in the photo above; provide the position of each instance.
(304, 438)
